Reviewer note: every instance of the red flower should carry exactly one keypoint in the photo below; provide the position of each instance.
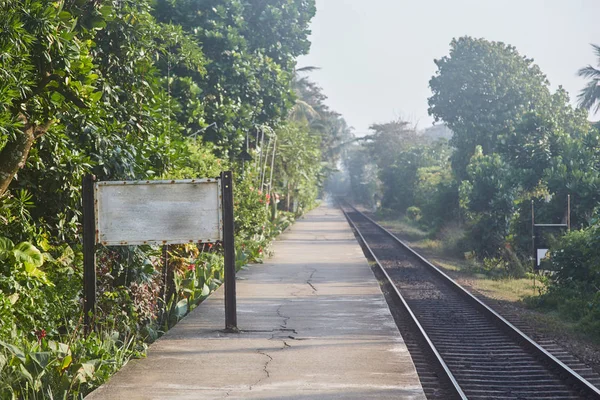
(40, 334)
(210, 246)
(191, 267)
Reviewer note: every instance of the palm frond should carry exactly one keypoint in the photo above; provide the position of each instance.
(589, 72)
(596, 50)
(308, 68)
(589, 97)
(302, 111)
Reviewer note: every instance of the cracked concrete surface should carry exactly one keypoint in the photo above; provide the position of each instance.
(314, 325)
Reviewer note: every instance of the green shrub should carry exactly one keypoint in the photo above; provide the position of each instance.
(413, 213)
(436, 194)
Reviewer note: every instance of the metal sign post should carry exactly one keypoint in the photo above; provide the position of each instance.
(539, 253)
(89, 253)
(229, 249)
(161, 213)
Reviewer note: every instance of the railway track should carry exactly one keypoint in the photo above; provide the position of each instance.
(475, 353)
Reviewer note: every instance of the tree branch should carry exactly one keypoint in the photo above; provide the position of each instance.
(69, 95)
(39, 88)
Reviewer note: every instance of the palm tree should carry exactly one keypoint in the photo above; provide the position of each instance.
(589, 97)
(303, 110)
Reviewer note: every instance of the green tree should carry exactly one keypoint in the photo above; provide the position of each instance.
(538, 137)
(45, 71)
(298, 170)
(398, 151)
(362, 173)
(480, 89)
(250, 48)
(488, 198)
(129, 130)
(310, 108)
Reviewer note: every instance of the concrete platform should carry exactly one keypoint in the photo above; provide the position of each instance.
(315, 326)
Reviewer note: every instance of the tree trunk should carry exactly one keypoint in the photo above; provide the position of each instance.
(14, 155)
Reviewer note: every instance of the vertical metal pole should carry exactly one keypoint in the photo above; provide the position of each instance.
(89, 253)
(272, 198)
(229, 249)
(568, 213)
(533, 250)
(264, 168)
(166, 282)
(272, 164)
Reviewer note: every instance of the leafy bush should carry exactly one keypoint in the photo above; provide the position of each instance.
(46, 369)
(436, 194)
(574, 285)
(413, 213)
(576, 259)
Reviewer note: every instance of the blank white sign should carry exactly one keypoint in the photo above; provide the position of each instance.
(158, 212)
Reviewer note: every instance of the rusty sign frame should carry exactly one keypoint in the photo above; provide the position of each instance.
(98, 218)
(226, 237)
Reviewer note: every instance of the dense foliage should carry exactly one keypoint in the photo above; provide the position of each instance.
(514, 143)
(140, 89)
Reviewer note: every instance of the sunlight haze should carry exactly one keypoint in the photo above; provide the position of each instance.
(376, 57)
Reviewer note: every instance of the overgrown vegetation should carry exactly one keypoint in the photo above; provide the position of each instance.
(141, 89)
(514, 142)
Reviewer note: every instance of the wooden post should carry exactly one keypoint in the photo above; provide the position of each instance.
(89, 253)
(229, 249)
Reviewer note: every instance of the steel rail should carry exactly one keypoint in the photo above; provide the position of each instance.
(562, 368)
(424, 335)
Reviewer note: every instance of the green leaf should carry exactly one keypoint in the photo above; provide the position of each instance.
(41, 358)
(59, 347)
(32, 270)
(66, 362)
(86, 371)
(98, 23)
(205, 290)
(181, 308)
(13, 298)
(67, 257)
(5, 245)
(96, 96)
(25, 252)
(65, 16)
(26, 374)
(14, 351)
(105, 11)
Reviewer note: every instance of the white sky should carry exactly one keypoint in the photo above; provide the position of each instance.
(376, 56)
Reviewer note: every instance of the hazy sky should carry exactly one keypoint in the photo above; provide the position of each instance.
(376, 56)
